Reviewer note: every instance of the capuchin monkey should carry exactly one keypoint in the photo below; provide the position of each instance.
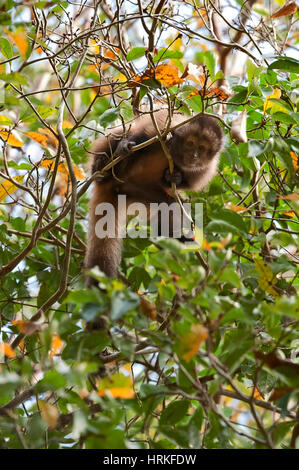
(144, 176)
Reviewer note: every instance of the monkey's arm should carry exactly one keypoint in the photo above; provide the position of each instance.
(105, 148)
(124, 147)
(142, 130)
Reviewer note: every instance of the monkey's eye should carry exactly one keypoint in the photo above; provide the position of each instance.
(201, 149)
(189, 144)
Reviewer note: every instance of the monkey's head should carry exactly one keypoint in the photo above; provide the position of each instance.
(195, 144)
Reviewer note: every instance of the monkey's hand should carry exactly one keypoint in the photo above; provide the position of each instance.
(174, 177)
(124, 148)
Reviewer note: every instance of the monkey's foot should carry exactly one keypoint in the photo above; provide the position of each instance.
(124, 148)
(99, 163)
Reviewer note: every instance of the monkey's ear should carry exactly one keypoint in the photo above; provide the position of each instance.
(179, 132)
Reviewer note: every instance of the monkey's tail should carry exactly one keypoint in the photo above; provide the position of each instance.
(106, 254)
(103, 251)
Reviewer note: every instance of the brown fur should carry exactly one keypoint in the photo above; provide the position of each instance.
(143, 177)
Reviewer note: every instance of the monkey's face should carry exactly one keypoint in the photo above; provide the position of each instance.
(194, 145)
(191, 151)
(195, 152)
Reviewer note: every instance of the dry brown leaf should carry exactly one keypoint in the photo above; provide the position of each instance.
(268, 103)
(279, 392)
(287, 9)
(238, 128)
(257, 394)
(61, 185)
(207, 246)
(11, 138)
(66, 125)
(291, 197)
(51, 139)
(208, 90)
(57, 346)
(192, 341)
(62, 168)
(6, 350)
(233, 208)
(295, 160)
(20, 40)
(26, 327)
(49, 412)
(289, 213)
(93, 46)
(166, 74)
(118, 392)
(200, 19)
(109, 54)
(267, 279)
(7, 187)
(79, 173)
(39, 138)
(118, 385)
(147, 308)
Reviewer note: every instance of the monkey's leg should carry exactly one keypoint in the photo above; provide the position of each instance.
(175, 177)
(99, 162)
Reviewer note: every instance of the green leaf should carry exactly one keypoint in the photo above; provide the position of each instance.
(178, 436)
(287, 64)
(5, 121)
(197, 418)
(136, 53)
(138, 276)
(18, 224)
(226, 221)
(6, 48)
(52, 380)
(123, 302)
(45, 111)
(195, 103)
(209, 59)
(283, 306)
(91, 311)
(174, 412)
(255, 148)
(237, 343)
(283, 404)
(83, 295)
(45, 292)
(164, 54)
(231, 276)
(109, 116)
(13, 77)
(252, 70)
(280, 104)
(280, 431)
(284, 118)
(151, 396)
